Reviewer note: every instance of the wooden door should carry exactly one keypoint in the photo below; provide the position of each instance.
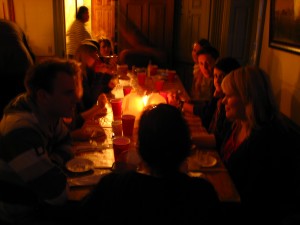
(103, 18)
(146, 23)
(193, 24)
(233, 28)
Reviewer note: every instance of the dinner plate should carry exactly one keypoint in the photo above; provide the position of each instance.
(196, 174)
(100, 159)
(79, 165)
(207, 160)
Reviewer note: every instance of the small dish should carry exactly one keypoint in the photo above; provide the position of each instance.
(207, 161)
(79, 165)
(196, 174)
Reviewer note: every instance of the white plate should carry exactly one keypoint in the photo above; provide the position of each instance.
(207, 160)
(196, 174)
(79, 165)
(100, 159)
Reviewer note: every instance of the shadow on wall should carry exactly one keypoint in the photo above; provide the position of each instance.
(276, 81)
(295, 104)
(287, 97)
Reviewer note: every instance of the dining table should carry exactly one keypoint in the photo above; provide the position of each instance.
(204, 163)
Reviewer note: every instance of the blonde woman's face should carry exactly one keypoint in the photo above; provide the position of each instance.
(234, 107)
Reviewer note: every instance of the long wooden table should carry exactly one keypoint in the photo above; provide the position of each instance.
(102, 154)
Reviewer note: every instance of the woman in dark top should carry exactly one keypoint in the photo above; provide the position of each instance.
(213, 114)
(258, 150)
(163, 196)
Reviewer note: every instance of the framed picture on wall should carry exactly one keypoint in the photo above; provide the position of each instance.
(284, 31)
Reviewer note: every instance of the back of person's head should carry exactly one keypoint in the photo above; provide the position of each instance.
(43, 74)
(252, 85)
(227, 64)
(163, 138)
(209, 50)
(81, 11)
(86, 48)
(92, 42)
(203, 42)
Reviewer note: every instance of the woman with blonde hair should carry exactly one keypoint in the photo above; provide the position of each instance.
(258, 149)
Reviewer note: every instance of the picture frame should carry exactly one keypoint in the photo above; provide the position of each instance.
(284, 31)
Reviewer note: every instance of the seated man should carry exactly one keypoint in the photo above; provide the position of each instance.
(35, 143)
(165, 195)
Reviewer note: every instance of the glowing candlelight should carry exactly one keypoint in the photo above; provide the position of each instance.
(145, 99)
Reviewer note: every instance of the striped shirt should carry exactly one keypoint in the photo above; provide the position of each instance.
(31, 150)
(76, 33)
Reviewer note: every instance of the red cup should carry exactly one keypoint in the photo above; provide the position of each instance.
(153, 70)
(117, 127)
(159, 84)
(121, 147)
(141, 78)
(171, 75)
(126, 90)
(116, 105)
(128, 124)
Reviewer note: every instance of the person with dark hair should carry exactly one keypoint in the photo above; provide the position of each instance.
(108, 60)
(94, 87)
(213, 114)
(15, 59)
(35, 143)
(94, 82)
(165, 195)
(207, 57)
(197, 75)
(77, 31)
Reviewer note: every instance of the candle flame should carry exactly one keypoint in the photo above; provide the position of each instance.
(145, 99)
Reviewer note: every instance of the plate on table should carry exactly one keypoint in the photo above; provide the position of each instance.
(207, 160)
(196, 174)
(101, 159)
(80, 165)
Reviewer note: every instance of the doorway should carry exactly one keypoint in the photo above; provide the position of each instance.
(102, 17)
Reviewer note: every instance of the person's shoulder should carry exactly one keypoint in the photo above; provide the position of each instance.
(201, 183)
(117, 177)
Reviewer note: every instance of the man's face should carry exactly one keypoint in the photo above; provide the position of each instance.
(62, 101)
(206, 65)
(86, 16)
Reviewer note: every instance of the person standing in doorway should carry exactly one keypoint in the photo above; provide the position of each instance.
(77, 31)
